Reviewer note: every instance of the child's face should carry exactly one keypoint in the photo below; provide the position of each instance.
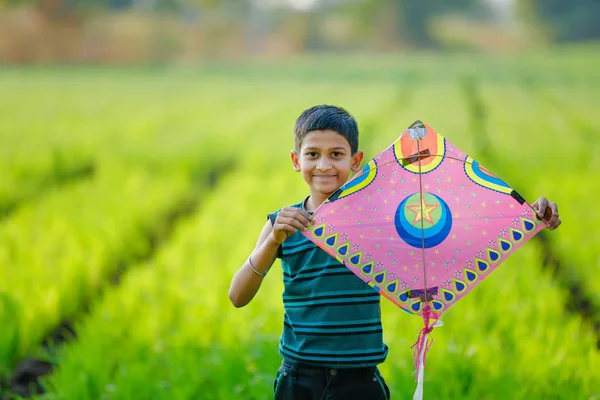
(325, 160)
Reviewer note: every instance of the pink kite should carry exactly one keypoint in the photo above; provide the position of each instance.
(423, 224)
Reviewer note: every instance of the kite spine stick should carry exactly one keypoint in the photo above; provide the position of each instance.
(422, 228)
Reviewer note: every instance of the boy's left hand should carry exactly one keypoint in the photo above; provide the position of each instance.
(548, 211)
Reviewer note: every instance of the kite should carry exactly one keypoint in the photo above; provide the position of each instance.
(423, 224)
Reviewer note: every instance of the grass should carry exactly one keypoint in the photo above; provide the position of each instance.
(221, 134)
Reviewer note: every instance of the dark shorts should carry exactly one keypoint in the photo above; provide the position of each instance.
(306, 382)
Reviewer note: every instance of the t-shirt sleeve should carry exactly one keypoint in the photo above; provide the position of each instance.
(272, 218)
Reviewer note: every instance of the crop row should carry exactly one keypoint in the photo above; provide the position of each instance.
(61, 127)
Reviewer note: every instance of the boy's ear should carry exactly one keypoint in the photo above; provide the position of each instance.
(357, 160)
(295, 160)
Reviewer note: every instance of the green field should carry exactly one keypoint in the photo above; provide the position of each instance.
(130, 196)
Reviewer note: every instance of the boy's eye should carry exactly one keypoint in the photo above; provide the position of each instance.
(312, 154)
(336, 154)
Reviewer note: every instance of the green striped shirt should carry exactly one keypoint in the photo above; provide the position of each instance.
(332, 318)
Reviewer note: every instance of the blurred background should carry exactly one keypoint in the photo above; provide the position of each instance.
(142, 31)
(143, 142)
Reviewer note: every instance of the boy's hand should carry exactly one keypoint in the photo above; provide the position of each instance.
(548, 211)
(288, 221)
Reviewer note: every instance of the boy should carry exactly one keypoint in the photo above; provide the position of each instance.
(332, 337)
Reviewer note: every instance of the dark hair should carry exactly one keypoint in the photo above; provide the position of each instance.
(325, 117)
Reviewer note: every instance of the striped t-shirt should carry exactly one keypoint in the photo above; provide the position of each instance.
(331, 317)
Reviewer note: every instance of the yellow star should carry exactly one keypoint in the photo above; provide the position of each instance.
(437, 251)
(332, 211)
(484, 232)
(482, 204)
(405, 268)
(423, 211)
(432, 278)
(416, 265)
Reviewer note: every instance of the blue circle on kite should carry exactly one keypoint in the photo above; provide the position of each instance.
(423, 221)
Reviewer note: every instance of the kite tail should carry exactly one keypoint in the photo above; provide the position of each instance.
(421, 347)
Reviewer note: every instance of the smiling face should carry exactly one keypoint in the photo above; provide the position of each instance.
(326, 161)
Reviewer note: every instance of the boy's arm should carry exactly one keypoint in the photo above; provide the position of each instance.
(246, 282)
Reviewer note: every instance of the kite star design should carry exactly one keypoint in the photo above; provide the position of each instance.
(423, 211)
(423, 226)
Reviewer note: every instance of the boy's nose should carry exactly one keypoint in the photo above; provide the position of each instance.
(323, 165)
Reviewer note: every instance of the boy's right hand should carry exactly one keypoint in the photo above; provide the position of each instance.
(288, 221)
